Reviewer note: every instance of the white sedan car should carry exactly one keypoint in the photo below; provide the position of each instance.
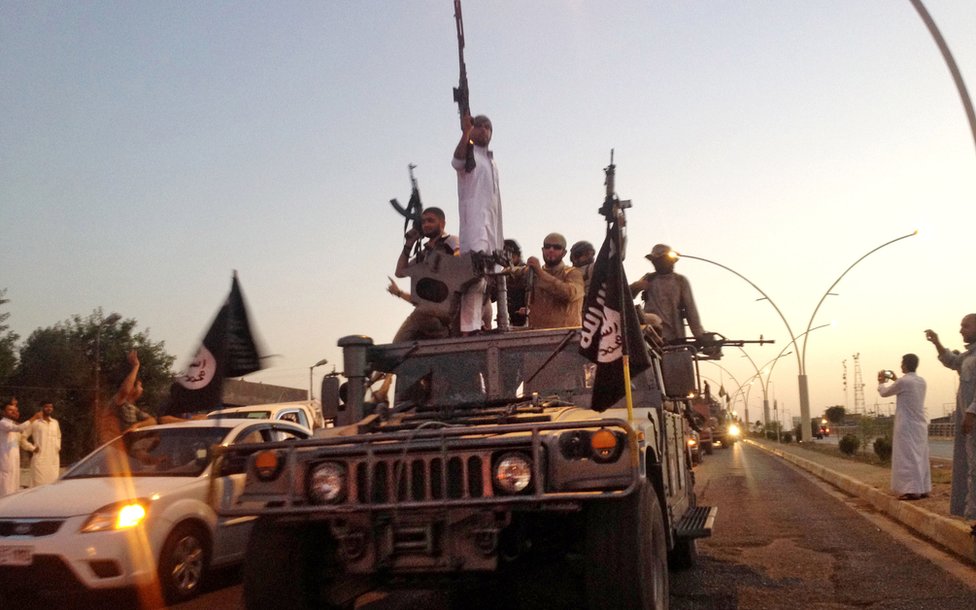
(137, 512)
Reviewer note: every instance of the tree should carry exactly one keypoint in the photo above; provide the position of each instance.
(58, 363)
(835, 414)
(8, 342)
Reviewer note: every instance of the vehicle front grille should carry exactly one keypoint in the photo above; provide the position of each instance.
(421, 478)
(10, 527)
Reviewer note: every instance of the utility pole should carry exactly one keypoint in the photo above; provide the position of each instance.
(858, 385)
(843, 363)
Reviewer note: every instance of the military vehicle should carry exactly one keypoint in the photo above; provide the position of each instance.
(487, 460)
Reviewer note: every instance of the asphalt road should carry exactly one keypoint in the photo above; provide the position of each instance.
(781, 541)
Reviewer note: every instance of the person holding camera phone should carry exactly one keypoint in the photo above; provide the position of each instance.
(911, 477)
(962, 502)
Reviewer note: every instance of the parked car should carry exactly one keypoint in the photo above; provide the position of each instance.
(309, 416)
(135, 512)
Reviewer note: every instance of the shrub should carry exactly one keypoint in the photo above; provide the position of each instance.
(882, 448)
(771, 435)
(787, 437)
(849, 444)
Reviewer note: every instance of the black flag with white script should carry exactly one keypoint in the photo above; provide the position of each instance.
(606, 327)
(228, 350)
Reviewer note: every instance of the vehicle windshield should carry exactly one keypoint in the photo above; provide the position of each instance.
(165, 452)
(484, 377)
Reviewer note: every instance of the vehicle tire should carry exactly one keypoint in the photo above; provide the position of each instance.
(292, 566)
(184, 562)
(709, 448)
(626, 552)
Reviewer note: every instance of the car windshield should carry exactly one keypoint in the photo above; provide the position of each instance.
(164, 452)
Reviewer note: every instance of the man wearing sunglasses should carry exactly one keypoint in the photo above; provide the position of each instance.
(557, 290)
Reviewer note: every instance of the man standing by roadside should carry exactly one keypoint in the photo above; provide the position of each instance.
(479, 207)
(10, 432)
(557, 290)
(963, 500)
(911, 475)
(45, 446)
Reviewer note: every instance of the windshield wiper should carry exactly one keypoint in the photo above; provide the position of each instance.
(562, 345)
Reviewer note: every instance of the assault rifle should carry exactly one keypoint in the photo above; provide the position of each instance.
(461, 93)
(612, 206)
(709, 347)
(411, 214)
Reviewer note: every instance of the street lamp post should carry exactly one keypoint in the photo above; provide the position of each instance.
(764, 384)
(805, 432)
(310, 369)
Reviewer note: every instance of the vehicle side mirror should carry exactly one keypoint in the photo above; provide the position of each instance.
(331, 402)
(678, 369)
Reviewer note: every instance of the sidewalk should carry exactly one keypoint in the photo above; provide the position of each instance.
(927, 517)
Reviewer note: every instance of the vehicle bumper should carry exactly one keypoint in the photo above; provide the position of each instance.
(69, 559)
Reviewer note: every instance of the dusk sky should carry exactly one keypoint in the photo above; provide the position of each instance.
(148, 150)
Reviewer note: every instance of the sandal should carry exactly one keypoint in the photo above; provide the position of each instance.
(909, 497)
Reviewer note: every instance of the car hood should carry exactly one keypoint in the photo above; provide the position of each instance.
(72, 497)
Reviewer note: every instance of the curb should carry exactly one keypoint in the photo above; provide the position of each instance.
(949, 533)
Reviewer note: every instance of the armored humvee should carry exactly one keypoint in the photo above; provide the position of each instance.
(486, 465)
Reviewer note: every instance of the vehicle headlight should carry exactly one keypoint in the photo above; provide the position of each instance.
(117, 516)
(734, 430)
(327, 483)
(692, 442)
(513, 473)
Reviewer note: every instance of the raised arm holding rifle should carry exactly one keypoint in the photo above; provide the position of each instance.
(479, 198)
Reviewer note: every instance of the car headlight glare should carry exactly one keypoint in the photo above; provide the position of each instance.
(327, 483)
(118, 516)
(513, 473)
(734, 430)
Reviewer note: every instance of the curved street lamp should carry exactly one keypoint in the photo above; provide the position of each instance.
(772, 364)
(805, 433)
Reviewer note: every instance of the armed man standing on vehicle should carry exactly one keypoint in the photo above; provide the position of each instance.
(557, 289)
(479, 200)
(423, 324)
(667, 295)
(479, 208)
